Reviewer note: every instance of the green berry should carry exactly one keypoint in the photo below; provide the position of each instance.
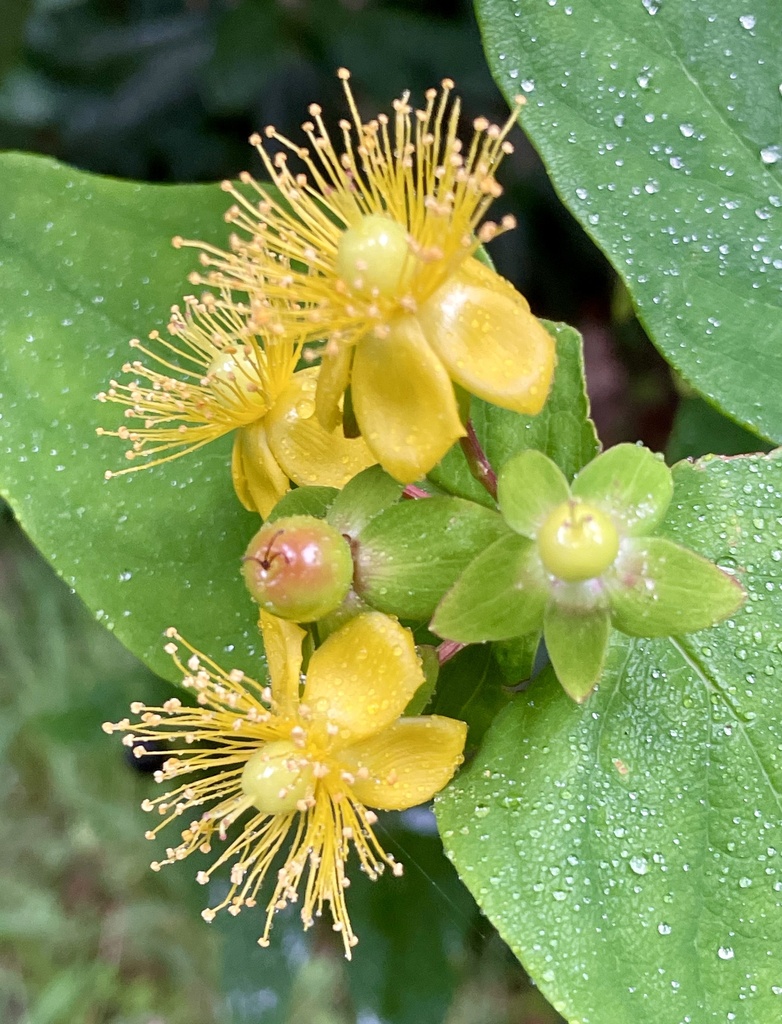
(276, 778)
(298, 568)
(373, 257)
(577, 542)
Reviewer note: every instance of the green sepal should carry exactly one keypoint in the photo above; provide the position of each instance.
(304, 501)
(663, 589)
(430, 663)
(631, 483)
(413, 552)
(516, 656)
(362, 498)
(350, 427)
(349, 609)
(529, 486)
(576, 643)
(501, 594)
(463, 400)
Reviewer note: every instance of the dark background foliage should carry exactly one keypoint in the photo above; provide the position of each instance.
(169, 90)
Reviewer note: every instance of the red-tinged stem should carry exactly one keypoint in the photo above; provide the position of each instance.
(477, 460)
(411, 491)
(447, 650)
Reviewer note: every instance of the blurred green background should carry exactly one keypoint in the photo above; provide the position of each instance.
(169, 90)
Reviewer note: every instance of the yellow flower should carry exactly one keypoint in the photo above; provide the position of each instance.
(372, 250)
(302, 766)
(228, 367)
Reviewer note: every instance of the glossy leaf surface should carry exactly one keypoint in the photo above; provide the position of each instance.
(658, 121)
(86, 264)
(641, 830)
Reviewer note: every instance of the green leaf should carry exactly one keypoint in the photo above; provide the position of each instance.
(362, 498)
(470, 688)
(700, 429)
(529, 486)
(401, 972)
(671, 591)
(639, 831)
(86, 264)
(576, 644)
(632, 483)
(304, 501)
(664, 143)
(562, 429)
(488, 601)
(409, 555)
(431, 665)
(516, 657)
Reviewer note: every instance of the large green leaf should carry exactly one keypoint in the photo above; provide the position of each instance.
(470, 687)
(86, 264)
(700, 429)
(658, 121)
(405, 972)
(627, 850)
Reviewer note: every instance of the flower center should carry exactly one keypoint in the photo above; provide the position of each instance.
(373, 257)
(235, 382)
(276, 777)
(577, 542)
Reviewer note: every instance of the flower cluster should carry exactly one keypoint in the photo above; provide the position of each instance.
(372, 253)
(339, 337)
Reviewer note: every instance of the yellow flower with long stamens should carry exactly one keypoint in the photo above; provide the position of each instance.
(372, 250)
(296, 765)
(225, 367)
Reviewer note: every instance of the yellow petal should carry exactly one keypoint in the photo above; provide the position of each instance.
(333, 380)
(282, 642)
(362, 678)
(407, 763)
(258, 480)
(309, 454)
(490, 343)
(404, 401)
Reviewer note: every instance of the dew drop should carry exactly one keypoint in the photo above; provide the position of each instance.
(640, 865)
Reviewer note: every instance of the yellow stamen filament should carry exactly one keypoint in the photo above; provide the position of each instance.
(409, 169)
(224, 367)
(204, 746)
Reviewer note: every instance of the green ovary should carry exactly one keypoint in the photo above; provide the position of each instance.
(373, 257)
(276, 778)
(577, 542)
(236, 385)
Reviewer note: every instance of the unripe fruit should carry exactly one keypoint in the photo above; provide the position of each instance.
(373, 257)
(298, 568)
(235, 383)
(276, 778)
(577, 542)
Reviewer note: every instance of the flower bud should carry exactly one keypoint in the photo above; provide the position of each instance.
(298, 568)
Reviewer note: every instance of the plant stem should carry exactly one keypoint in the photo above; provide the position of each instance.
(477, 460)
(447, 650)
(411, 491)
